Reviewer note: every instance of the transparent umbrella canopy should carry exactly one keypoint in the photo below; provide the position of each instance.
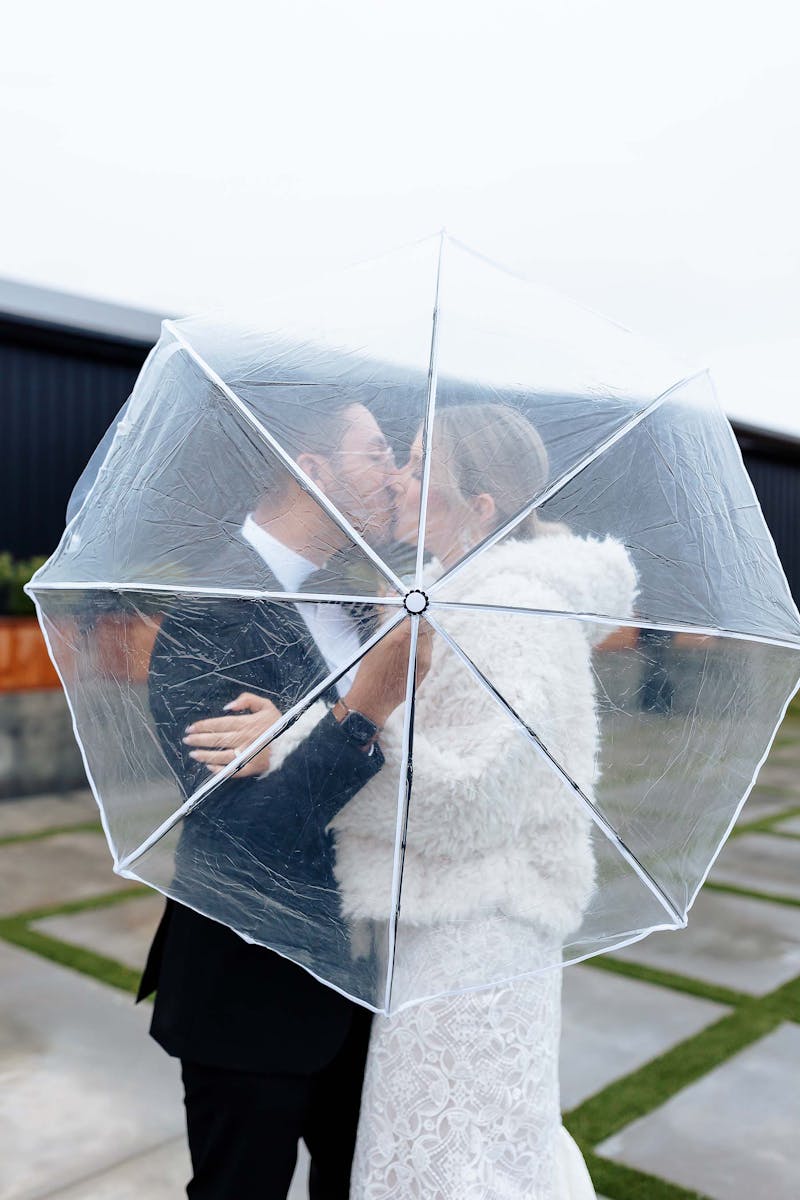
(522, 536)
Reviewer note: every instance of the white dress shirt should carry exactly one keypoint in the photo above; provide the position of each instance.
(333, 630)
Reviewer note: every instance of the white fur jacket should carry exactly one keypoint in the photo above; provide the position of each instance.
(491, 826)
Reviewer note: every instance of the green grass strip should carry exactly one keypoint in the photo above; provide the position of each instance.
(765, 824)
(784, 1002)
(38, 835)
(668, 979)
(106, 970)
(619, 1182)
(734, 890)
(66, 908)
(16, 930)
(778, 833)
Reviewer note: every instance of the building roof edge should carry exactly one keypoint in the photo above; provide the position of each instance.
(83, 314)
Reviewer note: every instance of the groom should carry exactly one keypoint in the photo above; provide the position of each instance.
(268, 1053)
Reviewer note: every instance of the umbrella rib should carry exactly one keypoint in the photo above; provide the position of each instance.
(613, 622)
(168, 589)
(563, 480)
(286, 719)
(597, 816)
(304, 480)
(403, 799)
(427, 426)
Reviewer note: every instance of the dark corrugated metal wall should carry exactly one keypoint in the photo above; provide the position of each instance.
(777, 485)
(59, 391)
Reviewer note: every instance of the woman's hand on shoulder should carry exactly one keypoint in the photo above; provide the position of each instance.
(216, 741)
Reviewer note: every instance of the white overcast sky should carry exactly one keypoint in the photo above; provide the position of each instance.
(641, 157)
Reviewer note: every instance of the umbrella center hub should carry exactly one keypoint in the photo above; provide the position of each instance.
(415, 601)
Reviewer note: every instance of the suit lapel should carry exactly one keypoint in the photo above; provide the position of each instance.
(303, 661)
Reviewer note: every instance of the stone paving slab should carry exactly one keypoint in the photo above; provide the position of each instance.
(749, 945)
(759, 805)
(781, 772)
(732, 1135)
(82, 1085)
(122, 931)
(761, 862)
(160, 1173)
(32, 814)
(67, 866)
(612, 1025)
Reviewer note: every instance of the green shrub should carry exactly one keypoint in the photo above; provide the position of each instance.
(14, 574)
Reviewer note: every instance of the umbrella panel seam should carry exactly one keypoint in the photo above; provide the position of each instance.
(403, 801)
(427, 428)
(159, 589)
(627, 622)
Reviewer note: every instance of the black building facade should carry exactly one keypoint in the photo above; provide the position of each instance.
(62, 384)
(773, 464)
(59, 392)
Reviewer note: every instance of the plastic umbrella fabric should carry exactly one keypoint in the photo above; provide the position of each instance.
(553, 506)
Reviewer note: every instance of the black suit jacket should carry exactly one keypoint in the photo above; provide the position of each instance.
(221, 1000)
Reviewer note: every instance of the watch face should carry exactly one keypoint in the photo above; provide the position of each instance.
(359, 728)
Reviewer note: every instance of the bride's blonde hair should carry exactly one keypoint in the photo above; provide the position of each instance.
(493, 448)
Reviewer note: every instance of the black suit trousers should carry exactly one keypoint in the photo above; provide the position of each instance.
(244, 1126)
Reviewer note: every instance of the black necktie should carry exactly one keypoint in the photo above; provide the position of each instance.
(331, 580)
(350, 572)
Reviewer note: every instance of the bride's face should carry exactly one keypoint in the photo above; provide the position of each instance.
(452, 525)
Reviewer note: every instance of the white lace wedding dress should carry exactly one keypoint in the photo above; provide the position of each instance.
(461, 1092)
(461, 1097)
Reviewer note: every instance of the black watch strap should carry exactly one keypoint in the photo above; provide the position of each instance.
(357, 728)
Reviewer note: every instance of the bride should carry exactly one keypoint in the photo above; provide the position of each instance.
(461, 1095)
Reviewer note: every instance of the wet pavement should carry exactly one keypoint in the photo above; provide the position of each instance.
(91, 1109)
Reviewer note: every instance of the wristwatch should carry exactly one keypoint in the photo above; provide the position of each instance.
(357, 728)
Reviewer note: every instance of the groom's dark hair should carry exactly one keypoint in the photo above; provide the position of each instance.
(302, 418)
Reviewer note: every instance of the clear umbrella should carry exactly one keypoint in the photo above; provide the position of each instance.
(520, 535)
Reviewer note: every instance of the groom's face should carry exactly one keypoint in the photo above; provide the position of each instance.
(361, 478)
